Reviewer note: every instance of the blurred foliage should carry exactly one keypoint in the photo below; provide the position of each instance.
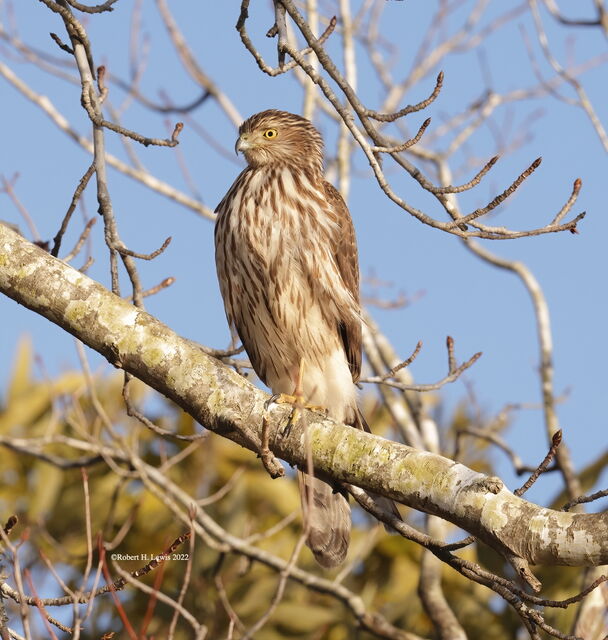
(49, 502)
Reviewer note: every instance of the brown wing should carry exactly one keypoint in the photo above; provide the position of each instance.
(348, 264)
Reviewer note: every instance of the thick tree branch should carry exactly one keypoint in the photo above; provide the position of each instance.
(227, 404)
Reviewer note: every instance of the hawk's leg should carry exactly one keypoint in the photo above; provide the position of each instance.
(271, 464)
(297, 400)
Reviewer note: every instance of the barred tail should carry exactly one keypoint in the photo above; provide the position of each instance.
(327, 516)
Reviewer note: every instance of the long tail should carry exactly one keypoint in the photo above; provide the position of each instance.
(327, 515)
(327, 512)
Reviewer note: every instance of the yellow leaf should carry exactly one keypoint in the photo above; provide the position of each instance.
(47, 482)
(22, 369)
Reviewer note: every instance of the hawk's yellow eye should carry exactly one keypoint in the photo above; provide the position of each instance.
(271, 133)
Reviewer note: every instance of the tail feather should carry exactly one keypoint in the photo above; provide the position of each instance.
(327, 516)
(327, 513)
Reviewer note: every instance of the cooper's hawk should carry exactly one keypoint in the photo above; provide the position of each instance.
(286, 259)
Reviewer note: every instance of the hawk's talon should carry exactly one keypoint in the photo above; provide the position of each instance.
(284, 430)
(272, 400)
(296, 400)
(296, 412)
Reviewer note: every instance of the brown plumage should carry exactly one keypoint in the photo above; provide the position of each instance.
(287, 265)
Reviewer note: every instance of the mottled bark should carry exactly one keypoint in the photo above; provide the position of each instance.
(224, 402)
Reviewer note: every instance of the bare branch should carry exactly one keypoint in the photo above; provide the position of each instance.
(405, 145)
(282, 68)
(49, 289)
(486, 434)
(74, 28)
(542, 467)
(117, 585)
(66, 220)
(391, 117)
(145, 256)
(87, 103)
(405, 363)
(584, 499)
(193, 68)
(583, 98)
(81, 240)
(141, 176)
(98, 8)
(454, 372)
(499, 198)
(7, 187)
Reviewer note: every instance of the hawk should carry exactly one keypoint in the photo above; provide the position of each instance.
(286, 258)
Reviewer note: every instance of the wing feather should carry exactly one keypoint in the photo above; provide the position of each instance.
(348, 265)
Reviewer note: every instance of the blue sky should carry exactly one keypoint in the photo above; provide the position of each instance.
(482, 308)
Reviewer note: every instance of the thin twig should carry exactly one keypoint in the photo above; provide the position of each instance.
(272, 71)
(584, 499)
(77, 193)
(135, 413)
(542, 467)
(405, 145)
(81, 240)
(454, 372)
(185, 582)
(391, 117)
(98, 8)
(404, 364)
(163, 284)
(145, 256)
(116, 585)
(7, 187)
(99, 121)
(499, 199)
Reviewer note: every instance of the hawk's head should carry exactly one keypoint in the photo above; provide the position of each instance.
(280, 138)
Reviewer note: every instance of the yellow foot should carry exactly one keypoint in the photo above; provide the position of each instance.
(298, 402)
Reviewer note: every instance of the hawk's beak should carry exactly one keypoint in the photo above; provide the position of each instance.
(242, 144)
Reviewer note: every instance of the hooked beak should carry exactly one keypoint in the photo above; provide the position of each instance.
(242, 144)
